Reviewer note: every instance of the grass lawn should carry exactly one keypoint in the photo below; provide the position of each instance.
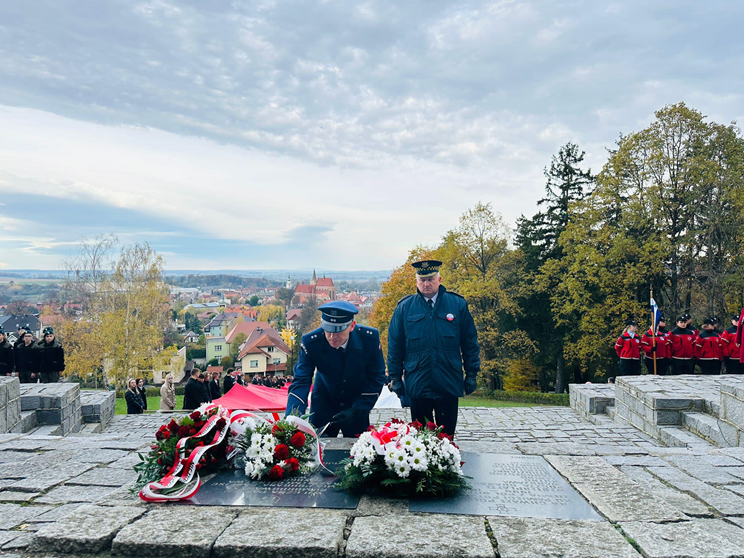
(153, 404)
(486, 402)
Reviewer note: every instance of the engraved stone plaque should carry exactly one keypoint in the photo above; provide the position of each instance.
(511, 485)
(233, 488)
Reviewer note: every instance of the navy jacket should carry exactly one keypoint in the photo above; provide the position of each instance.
(432, 346)
(353, 381)
(193, 394)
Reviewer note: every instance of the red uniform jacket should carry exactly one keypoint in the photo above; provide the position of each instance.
(709, 346)
(683, 343)
(628, 347)
(738, 337)
(732, 348)
(663, 344)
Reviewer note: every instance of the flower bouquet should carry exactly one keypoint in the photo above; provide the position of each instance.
(404, 459)
(273, 450)
(196, 442)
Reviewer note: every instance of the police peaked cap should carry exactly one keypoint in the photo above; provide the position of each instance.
(425, 268)
(630, 322)
(337, 315)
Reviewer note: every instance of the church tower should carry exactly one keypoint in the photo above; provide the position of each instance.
(314, 280)
(289, 282)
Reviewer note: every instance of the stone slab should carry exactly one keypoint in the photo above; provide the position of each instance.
(513, 485)
(88, 529)
(50, 477)
(313, 534)
(557, 538)
(14, 515)
(720, 499)
(170, 531)
(104, 476)
(316, 490)
(419, 537)
(72, 494)
(616, 496)
(699, 538)
(680, 500)
(14, 496)
(20, 542)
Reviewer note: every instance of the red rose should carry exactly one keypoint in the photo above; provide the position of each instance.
(415, 424)
(293, 464)
(166, 434)
(281, 451)
(199, 424)
(276, 429)
(159, 435)
(442, 436)
(276, 473)
(298, 440)
(183, 431)
(431, 426)
(162, 428)
(396, 421)
(173, 426)
(220, 424)
(196, 415)
(192, 431)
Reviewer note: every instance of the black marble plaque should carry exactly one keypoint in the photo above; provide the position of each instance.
(233, 488)
(511, 485)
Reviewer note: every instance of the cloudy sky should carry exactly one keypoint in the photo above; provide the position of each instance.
(331, 134)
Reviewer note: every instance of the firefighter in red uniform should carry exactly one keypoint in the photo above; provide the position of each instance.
(709, 349)
(732, 349)
(628, 348)
(683, 342)
(662, 349)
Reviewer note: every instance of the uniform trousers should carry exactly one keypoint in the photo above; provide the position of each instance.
(683, 366)
(709, 367)
(733, 366)
(630, 367)
(662, 366)
(49, 377)
(442, 411)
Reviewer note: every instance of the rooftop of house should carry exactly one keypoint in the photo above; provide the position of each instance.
(247, 328)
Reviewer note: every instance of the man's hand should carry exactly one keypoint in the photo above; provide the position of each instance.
(653, 349)
(397, 387)
(347, 415)
(470, 385)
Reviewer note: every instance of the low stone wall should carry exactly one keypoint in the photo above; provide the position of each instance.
(591, 399)
(10, 404)
(98, 406)
(54, 404)
(732, 411)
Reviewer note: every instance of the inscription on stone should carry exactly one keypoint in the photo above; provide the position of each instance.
(511, 485)
(233, 488)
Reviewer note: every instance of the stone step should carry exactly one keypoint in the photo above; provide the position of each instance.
(48, 430)
(680, 437)
(28, 421)
(91, 428)
(55, 404)
(610, 410)
(98, 406)
(711, 429)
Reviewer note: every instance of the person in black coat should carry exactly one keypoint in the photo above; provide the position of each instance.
(204, 386)
(193, 396)
(214, 387)
(142, 391)
(135, 406)
(26, 360)
(50, 357)
(228, 382)
(7, 361)
(22, 330)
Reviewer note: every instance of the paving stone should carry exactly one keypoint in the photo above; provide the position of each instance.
(88, 529)
(47, 478)
(13, 496)
(120, 497)
(314, 534)
(369, 505)
(104, 476)
(635, 460)
(680, 500)
(180, 538)
(558, 538)
(97, 455)
(126, 462)
(419, 537)
(22, 541)
(698, 468)
(13, 515)
(722, 500)
(554, 448)
(699, 538)
(59, 512)
(615, 495)
(12, 456)
(71, 494)
(7, 536)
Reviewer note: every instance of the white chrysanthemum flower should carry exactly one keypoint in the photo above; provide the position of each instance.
(402, 469)
(418, 463)
(407, 442)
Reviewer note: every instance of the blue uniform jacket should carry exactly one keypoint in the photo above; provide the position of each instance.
(433, 346)
(338, 386)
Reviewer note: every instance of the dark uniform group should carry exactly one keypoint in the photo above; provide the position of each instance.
(33, 361)
(201, 388)
(683, 348)
(433, 359)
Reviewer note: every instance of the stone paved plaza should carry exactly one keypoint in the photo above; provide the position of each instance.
(69, 496)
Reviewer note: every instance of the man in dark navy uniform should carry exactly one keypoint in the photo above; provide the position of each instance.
(432, 337)
(349, 369)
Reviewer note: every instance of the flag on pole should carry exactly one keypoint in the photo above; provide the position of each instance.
(656, 314)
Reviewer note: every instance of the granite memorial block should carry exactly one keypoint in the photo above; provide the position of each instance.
(315, 490)
(511, 485)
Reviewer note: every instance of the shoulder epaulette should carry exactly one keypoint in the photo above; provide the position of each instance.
(366, 330)
(404, 298)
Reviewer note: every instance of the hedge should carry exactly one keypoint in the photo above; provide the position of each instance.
(559, 399)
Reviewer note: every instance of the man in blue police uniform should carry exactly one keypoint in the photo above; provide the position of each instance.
(431, 338)
(350, 372)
